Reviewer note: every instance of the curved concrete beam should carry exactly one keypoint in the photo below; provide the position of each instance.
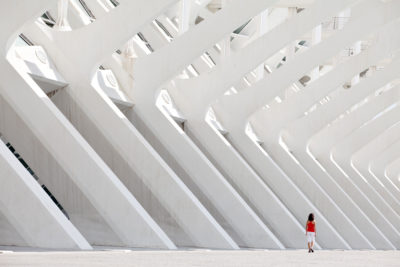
(27, 207)
(269, 123)
(193, 95)
(342, 154)
(320, 147)
(281, 82)
(393, 171)
(196, 167)
(364, 161)
(384, 165)
(81, 163)
(92, 45)
(306, 127)
(233, 68)
(30, 210)
(364, 21)
(301, 130)
(133, 150)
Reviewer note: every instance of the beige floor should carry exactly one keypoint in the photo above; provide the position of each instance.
(200, 258)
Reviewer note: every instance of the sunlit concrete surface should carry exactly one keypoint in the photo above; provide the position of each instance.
(212, 124)
(203, 258)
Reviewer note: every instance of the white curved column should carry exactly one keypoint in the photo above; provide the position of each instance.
(30, 211)
(343, 153)
(264, 201)
(298, 133)
(165, 63)
(82, 164)
(173, 192)
(194, 95)
(139, 159)
(393, 171)
(385, 166)
(26, 206)
(282, 79)
(358, 27)
(134, 13)
(199, 170)
(234, 67)
(269, 123)
(363, 161)
(320, 146)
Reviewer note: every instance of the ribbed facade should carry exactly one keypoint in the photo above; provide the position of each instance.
(199, 123)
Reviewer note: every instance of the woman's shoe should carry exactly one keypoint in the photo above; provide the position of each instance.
(312, 250)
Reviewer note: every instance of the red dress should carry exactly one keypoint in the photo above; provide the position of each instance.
(310, 226)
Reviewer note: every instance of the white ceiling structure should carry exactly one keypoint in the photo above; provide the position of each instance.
(199, 123)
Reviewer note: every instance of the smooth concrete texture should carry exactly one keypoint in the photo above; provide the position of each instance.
(241, 221)
(389, 159)
(184, 208)
(268, 124)
(200, 91)
(50, 174)
(325, 139)
(377, 166)
(365, 88)
(200, 124)
(49, 125)
(350, 144)
(204, 258)
(33, 202)
(388, 138)
(258, 97)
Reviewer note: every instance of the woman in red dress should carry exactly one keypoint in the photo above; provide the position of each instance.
(310, 232)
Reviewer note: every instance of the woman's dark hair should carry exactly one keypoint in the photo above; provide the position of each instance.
(311, 217)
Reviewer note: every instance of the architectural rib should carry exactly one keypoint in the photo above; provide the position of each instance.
(216, 124)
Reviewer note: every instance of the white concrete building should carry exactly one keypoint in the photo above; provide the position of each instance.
(199, 123)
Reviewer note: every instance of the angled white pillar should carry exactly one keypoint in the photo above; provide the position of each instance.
(320, 147)
(268, 124)
(84, 167)
(343, 151)
(137, 156)
(251, 185)
(282, 78)
(298, 134)
(164, 64)
(82, 164)
(258, 96)
(30, 210)
(193, 97)
(385, 166)
(169, 208)
(363, 160)
(128, 12)
(392, 171)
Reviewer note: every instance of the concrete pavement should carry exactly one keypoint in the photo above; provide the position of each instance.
(193, 257)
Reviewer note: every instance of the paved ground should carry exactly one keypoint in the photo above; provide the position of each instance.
(200, 258)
